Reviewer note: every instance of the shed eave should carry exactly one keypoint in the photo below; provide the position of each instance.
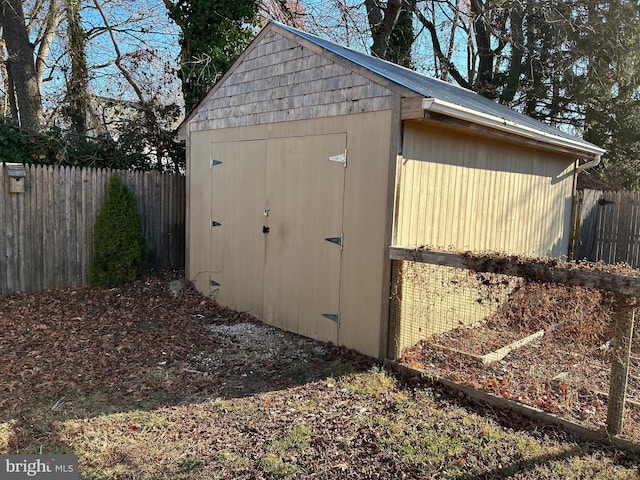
(585, 149)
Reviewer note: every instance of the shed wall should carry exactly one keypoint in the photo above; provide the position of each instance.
(368, 191)
(464, 192)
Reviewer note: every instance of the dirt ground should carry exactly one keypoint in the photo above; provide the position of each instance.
(154, 381)
(565, 371)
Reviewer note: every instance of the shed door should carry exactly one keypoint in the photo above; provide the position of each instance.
(305, 198)
(237, 243)
(290, 188)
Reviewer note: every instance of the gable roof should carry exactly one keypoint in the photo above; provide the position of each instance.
(446, 93)
(448, 99)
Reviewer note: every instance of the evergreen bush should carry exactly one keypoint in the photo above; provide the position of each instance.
(120, 248)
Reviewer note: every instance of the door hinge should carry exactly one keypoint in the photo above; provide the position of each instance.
(340, 158)
(334, 317)
(214, 163)
(336, 240)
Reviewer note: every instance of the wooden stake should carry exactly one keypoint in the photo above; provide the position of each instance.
(625, 316)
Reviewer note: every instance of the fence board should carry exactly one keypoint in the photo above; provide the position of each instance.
(609, 227)
(46, 232)
(3, 235)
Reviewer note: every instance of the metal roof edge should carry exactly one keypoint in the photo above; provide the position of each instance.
(454, 95)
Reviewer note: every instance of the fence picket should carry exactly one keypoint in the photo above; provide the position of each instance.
(609, 227)
(46, 232)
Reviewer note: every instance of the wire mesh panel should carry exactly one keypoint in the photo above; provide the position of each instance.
(430, 299)
(544, 345)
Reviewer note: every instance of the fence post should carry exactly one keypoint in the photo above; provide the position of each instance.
(623, 335)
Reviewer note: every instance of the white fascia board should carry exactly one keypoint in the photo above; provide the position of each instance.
(502, 124)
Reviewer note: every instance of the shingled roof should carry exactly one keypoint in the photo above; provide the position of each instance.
(470, 106)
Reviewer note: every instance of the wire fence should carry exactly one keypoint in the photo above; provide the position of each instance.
(566, 348)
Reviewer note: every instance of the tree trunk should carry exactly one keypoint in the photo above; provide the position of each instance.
(51, 22)
(484, 83)
(77, 95)
(20, 65)
(381, 23)
(512, 86)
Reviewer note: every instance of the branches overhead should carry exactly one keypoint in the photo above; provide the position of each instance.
(213, 34)
(574, 64)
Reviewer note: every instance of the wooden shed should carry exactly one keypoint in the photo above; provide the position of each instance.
(307, 160)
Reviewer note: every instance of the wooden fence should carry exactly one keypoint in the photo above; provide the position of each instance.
(609, 228)
(47, 217)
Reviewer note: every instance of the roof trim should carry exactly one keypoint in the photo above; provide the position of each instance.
(457, 96)
(500, 123)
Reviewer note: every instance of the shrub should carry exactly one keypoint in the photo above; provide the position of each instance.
(120, 248)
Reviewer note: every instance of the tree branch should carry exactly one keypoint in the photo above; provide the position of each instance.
(449, 66)
(52, 21)
(118, 60)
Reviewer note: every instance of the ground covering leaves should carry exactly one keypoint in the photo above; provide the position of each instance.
(154, 381)
(566, 371)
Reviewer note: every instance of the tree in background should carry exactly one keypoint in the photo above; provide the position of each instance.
(289, 12)
(112, 100)
(214, 33)
(77, 101)
(21, 78)
(391, 28)
(573, 64)
(606, 88)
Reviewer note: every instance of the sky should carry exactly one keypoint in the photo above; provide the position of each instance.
(149, 45)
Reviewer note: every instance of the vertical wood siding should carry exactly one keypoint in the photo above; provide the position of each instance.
(466, 193)
(609, 227)
(46, 233)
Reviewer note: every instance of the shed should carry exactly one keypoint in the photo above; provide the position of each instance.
(307, 160)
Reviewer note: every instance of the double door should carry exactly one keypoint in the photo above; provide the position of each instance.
(276, 234)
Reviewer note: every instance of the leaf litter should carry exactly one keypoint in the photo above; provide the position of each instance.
(154, 381)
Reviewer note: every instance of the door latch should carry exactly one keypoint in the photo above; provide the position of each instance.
(265, 229)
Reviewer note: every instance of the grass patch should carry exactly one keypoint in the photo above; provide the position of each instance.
(190, 464)
(399, 434)
(374, 383)
(305, 372)
(223, 456)
(297, 439)
(6, 434)
(275, 466)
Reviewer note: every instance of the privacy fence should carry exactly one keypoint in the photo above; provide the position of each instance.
(552, 339)
(47, 218)
(609, 227)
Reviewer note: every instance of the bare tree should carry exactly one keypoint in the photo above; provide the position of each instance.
(77, 98)
(289, 12)
(22, 79)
